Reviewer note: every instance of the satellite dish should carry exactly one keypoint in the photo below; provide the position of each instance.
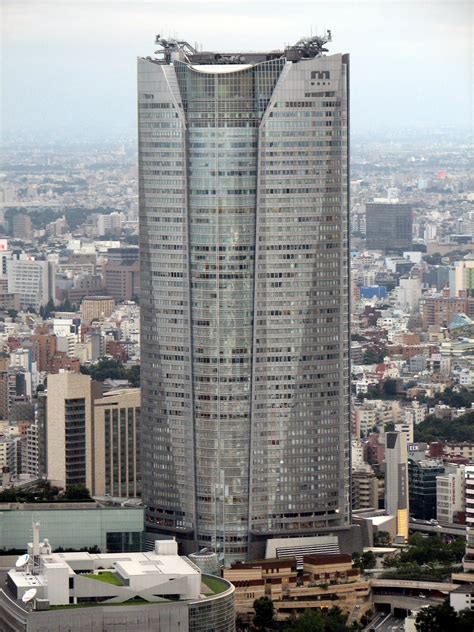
(29, 595)
(22, 560)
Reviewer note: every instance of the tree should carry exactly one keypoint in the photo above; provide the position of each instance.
(264, 618)
(436, 618)
(435, 429)
(77, 492)
(133, 375)
(46, 310)
(366, 560)
(308, 621)
(382, 538)
(466, 621)
(315, 620)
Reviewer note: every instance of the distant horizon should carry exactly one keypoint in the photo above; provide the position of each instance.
(69, 66)
(57, 137)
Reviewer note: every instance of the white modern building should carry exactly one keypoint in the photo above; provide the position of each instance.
(33, 281)
(461, 277)
(462, 598)
(468, 561)
(450, 496)
(157, 591)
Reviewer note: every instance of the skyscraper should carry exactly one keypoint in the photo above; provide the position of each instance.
(243, 185)
(396, 480)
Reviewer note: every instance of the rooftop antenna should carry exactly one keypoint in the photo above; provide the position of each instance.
(29, 595)
(35, 549)
(313, 46)
(22, 560)
(171, 48)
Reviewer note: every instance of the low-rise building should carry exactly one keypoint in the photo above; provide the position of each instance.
(148, 591)
(462, 598)
(325, 581)
(96, 307)
(74, 525)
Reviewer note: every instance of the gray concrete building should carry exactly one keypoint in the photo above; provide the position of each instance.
(388, 226)
(243, 183)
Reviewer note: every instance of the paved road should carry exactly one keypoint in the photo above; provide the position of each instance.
(384, 623)
(392, 624)
(424, 527)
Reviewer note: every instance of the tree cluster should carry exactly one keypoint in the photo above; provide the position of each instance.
(436, 429)
(442, 618)
(50, 307)
(459, 398)
(314, 620)
(44, 492)
(425, 559)
(365, 560)
(107, 368)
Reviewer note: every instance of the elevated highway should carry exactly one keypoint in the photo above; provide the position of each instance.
(448, 529)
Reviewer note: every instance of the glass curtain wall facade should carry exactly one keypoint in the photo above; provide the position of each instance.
(244, 264)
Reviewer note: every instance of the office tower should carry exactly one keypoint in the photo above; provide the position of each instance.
(450, 495)
(122, 280)
(461, 278)
(396, 480)
(422, 487)
(21, 227)
(243, 185)
(116, 444)
(468, 560)
(5, 258)
(388, 225)
(69, 427)
(33, 281)
(110, 224)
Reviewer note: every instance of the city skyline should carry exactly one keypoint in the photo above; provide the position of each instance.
(70, 50)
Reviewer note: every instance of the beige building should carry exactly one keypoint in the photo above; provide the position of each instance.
(326, 581)
(365, 490)
(97, 307)
(69, 417)
(117, 444)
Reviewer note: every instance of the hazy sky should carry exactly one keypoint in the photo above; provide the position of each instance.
(70, 65)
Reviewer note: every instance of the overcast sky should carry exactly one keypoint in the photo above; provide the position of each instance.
(70, 65)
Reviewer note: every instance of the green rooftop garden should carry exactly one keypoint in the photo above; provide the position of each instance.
(107, 577)
(214, 583)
